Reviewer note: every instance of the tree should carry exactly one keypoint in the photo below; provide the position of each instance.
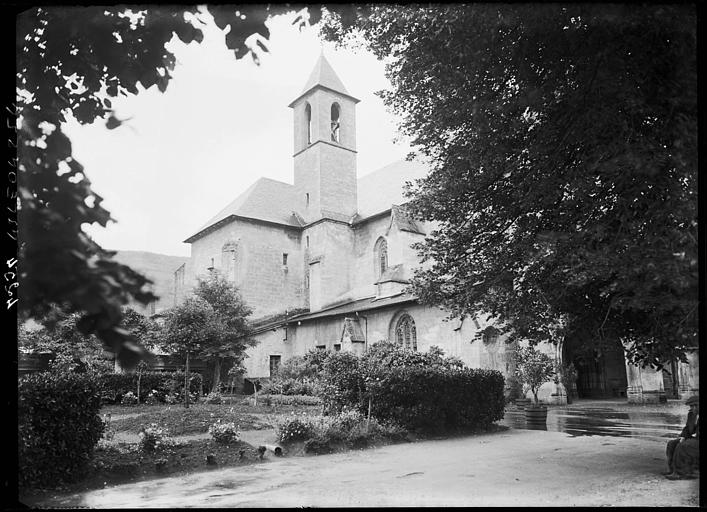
(562, 141)
(187, 329)
(533, 369)
(70, 62)
(232, 338)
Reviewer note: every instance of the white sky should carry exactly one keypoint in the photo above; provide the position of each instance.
(222, 124)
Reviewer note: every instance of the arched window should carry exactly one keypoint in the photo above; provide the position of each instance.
(380, 251)
(335, 125)
(405, 332)
(308, 122)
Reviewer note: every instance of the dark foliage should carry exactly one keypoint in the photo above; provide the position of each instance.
(58, 426)
(563, 146)
(114, 385)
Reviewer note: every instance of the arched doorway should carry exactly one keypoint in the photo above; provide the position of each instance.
(600, 373)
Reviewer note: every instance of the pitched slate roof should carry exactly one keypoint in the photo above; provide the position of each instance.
(323, 75)
(266, 199)
(404, 221)
(381, 189)
(395, 274)
(274, 201)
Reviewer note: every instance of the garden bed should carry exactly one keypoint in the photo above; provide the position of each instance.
(117, 463)
(196, 420)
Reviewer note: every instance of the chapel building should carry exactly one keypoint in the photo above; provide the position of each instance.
(324, 262)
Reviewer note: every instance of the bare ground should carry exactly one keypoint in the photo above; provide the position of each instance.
(511, 468)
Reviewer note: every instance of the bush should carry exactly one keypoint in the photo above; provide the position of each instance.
(129, 398)
(153, 438)
(153, 398)
(213, 398)
(58, 426)
(321, 434)
(293, 399)
(115, 385)
(424, 391)
(294, 428)
(224, 433)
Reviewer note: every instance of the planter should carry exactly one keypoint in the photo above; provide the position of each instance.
(522, 403)
(536, 416)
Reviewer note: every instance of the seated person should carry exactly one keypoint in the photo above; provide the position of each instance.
(683, 453)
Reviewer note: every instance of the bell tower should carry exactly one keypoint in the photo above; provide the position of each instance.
(325, 147)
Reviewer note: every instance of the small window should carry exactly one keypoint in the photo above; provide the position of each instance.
(284, 258)
(306, 199)
(335, 125)
(307, 240)
(381, 256)
(321, 347)
(308, 122)
(211, 266)
(337, 347)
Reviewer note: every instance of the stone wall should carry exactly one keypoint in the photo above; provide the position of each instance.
(454, 337)
(267, 286)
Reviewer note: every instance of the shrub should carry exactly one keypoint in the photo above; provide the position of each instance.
(154, 437)
(424, 391)
(129, 398)
(533, 369)
(154, 397)
(214, 398)
(58, 426)
(115, 385)
(224, 433)
(294, 399)
(294, 428)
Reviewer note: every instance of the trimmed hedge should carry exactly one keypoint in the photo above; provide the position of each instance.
(115, 385)
(59, 426)
(434, 399)
(421, 391)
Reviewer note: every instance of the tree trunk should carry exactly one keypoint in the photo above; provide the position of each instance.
(139, 376)
(186, 384)
(217, 375)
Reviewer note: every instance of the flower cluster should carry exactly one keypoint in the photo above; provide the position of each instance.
(224, 433)
(213, 398)
(154, 437)
(294, 428)
(153, 397)
(129, 398)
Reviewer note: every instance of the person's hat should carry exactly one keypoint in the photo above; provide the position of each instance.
(693, 400)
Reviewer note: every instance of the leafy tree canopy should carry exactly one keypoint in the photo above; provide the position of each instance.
(563, 150)
(212, 324)
(70, 62)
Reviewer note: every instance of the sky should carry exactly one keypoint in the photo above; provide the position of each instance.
(222, 123)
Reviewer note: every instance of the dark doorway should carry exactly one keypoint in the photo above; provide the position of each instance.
(599, 375)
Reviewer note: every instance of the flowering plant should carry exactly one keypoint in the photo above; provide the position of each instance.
(294, 428)
(154, 437)
(129, 398)
(224, 433)
(213, 398)
(153, 397)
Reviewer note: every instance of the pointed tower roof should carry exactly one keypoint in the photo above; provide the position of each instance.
(324, 76)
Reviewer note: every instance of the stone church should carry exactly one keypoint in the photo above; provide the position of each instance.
(324, 262)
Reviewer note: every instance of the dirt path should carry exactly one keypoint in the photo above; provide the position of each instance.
(512, 468)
